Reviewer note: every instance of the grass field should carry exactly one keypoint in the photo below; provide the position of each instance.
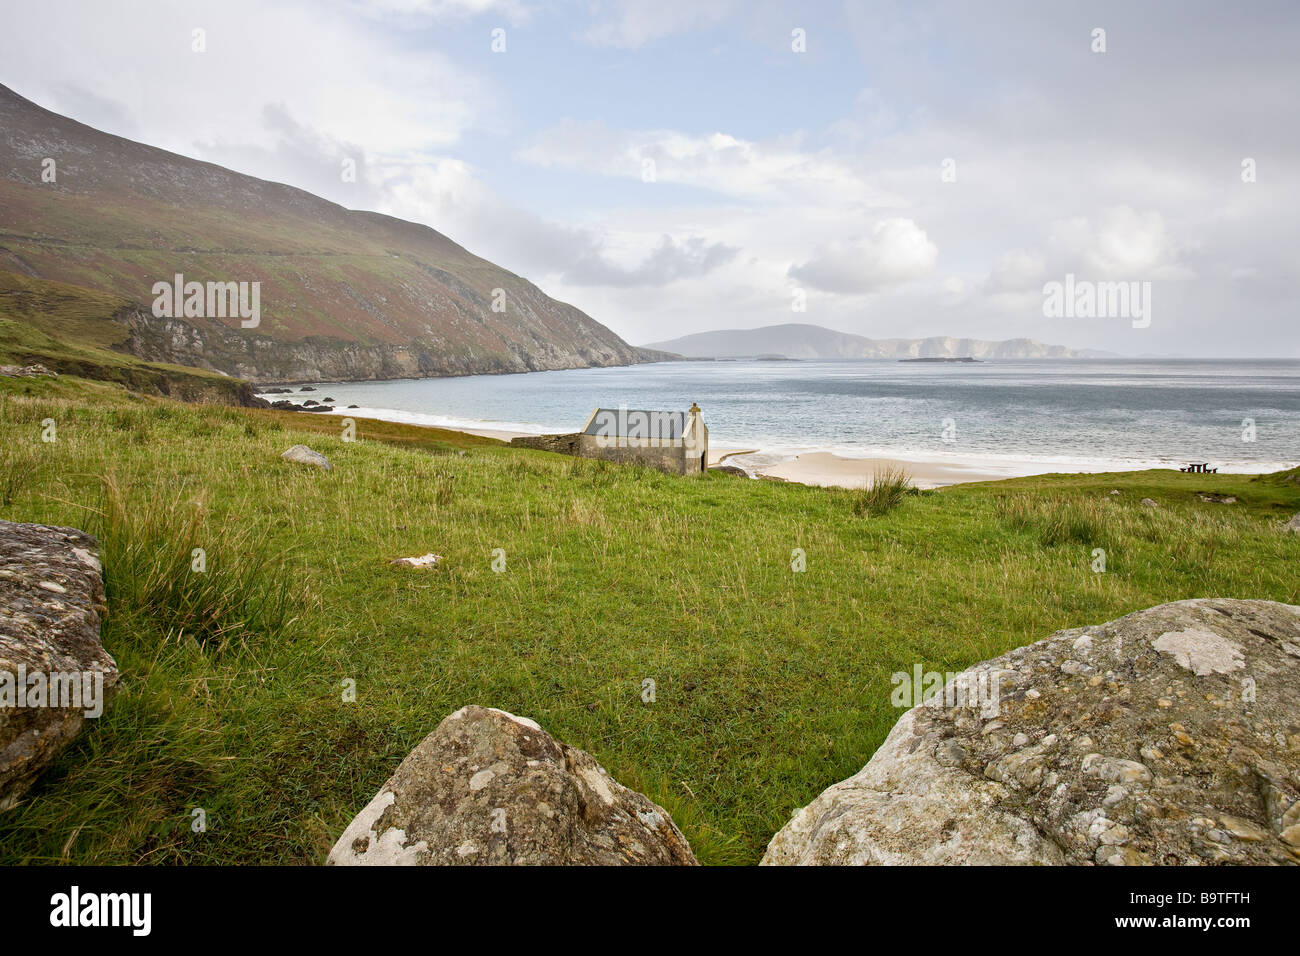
(771, 684)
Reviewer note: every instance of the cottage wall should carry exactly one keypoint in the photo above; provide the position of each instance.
(666, 455)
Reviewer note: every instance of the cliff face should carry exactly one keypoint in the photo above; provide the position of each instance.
(343, 294)
(263, 359)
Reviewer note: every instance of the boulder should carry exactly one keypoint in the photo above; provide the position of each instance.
(304, 455)
(1293, 524)
(54, 672)
(1169, 736)
(487, 787)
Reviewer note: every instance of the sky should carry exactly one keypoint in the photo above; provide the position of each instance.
(891, 169)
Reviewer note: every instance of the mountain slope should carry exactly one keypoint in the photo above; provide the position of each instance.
(344, 294)
(814, 342)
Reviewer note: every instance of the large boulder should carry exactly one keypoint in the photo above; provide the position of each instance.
(51, 599)
(1169, 736)
(487, 787)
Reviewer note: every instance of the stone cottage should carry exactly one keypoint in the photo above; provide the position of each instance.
(676, 442)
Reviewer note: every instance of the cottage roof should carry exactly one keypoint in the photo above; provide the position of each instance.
(636, 423)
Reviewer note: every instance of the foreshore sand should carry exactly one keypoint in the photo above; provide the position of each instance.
(824, 468)
(827, 469)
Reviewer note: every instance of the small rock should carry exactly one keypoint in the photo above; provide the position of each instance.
(1243, 829)
(1149, 503)
(429, 560)
(304, 455)
(1115, 770)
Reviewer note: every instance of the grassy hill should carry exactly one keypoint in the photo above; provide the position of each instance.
(771, 684)
(345, 294)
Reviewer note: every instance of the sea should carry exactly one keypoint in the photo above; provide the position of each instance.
(1017, 417)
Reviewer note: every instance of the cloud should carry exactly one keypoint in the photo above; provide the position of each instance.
(1121, 244)
(634, 23)
(1016, 271)
(514, 11)
(897, 251)
(670, 261)
(776, 170)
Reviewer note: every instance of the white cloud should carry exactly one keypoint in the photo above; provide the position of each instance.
(719, 162)
(1016, 271)
(897, 251)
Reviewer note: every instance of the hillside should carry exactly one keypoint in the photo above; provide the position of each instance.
(344, 294)
(798, 341)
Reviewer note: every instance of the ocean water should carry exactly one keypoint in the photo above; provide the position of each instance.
(1055, 415)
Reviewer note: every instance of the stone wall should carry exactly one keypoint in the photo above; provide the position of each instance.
(560, 444)
(672, 458)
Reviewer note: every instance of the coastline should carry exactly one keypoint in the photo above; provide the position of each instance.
(819, 466)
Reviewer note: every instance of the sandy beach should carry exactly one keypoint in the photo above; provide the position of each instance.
(825, 469)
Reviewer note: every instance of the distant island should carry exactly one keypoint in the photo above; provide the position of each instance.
(963, 358)
(802, 341)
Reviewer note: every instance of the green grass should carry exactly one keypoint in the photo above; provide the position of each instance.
(771, 684)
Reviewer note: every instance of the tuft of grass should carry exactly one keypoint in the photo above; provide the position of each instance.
(888, 487)
(172, 569)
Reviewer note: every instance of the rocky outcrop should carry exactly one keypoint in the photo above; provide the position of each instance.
(27, 371)
(487, 787)
(54, 672)
(261, 358)
(1170, 736)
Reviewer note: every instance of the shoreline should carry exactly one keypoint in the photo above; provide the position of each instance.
(821, 467)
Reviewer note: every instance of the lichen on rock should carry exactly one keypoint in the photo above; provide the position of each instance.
(487, 787)
(1169, 736)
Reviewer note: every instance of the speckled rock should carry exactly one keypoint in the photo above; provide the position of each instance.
(1169, 736)
(487, 787)
(1293, 525)
(305, 456)
(51, 600)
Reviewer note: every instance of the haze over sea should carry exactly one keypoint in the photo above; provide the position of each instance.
(1026, 416)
